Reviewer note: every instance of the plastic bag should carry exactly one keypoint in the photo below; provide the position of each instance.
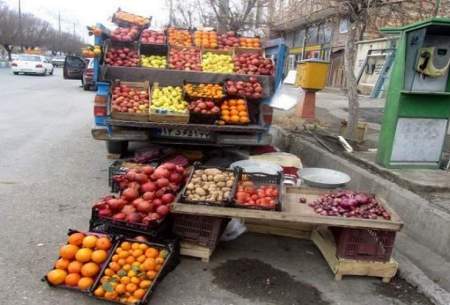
(234, 229)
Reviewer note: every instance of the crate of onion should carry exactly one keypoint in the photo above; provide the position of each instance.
(130, 100)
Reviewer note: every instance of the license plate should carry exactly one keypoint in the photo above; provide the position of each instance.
(184, 134)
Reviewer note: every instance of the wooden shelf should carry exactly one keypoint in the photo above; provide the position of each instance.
(294, 212)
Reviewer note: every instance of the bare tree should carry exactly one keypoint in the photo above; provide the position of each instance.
(9, 23)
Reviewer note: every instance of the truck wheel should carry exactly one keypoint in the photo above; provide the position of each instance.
(16, 73)
(117, 147)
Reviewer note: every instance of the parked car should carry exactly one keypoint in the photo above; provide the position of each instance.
(31, 64)
(87, 80)
(58, 61)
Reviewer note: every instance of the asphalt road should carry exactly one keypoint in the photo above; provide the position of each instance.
(51, 171)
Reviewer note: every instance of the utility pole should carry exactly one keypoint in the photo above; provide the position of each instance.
(20, 26)
(438, 6)
(74, 29)
(170, 12)
(59, 31)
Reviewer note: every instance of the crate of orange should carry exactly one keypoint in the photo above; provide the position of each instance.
(250, 42)
(80, 261)
(206, 39)
(235, 111)
(177, 37)
(132, 271)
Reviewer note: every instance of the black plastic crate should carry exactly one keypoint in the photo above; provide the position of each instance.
(190, 97)
(201, 118)
(169, 264)
(119, 167)
(157, 229)
(226, 202)
(261, 179)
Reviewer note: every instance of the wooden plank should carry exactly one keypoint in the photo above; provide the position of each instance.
(324, 240)
(193, 250)
(293, 212)
(286, 232)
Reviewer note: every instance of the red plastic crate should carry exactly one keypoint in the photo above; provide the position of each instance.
(364, 244)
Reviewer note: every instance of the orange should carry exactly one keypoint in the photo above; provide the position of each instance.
(85, 283)
(157, 267)
(242, 113)
(62, 264)
(151, 252)
(110, 295)
(90, 269)
(138, 252)
(145, 284)
(241, 102)
(89, 241)
(151, 274)
(68, 251)
(123, 254)
(99, 292)
(115, 258)
(105, 279)
(120, 289)
(135, 246)
(131, 287)
(126, 267)
(226, 118)
(149, 264)
(232, 102)
(103, 243)
(159, 260)
(234, 119)
(139, 294)
(56, 276)
(109, 272)
(76, 239)
(125, 280)
(72, 279)
(130, 259)
(135, 280)
(143, 247)
(241, 108)
(233, 113)
(83, 255)
(225, 112)
(141, 258)
(131, 273)
(114, 266)
(122, 261)
(74, 267)
(125, 245)
(136, 264)
(132, 300)
(244, 120)
(99, 256)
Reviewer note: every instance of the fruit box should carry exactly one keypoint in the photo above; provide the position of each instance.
(170, 261)
(155, 44)
(154, 49)
(103, 265)
(241, 50)
(262, 179)
(118, 20)
(126, 116)
(107, 224)
(108, 44)
(183, 49)
(226, 202)
(190, 97)
(164, 116)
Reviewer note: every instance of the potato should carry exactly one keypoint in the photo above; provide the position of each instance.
(229, 183)
(210, 178)
(212, 171)
(204, 177)
(218, 178)
(191, 186)
(200, 191)
(220, 184)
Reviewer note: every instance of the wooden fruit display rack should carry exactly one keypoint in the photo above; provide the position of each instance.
(299, 220)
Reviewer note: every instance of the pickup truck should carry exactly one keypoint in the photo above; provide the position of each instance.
(118, 133)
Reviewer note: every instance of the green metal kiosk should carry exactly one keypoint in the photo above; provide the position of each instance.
(417, 111)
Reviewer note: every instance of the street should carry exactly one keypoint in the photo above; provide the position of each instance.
(51, 171)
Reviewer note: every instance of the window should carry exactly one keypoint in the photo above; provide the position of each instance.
(325, 31)
(311, 35)
(299, 37)
(343, 26)
(29, 58)
(289, 38)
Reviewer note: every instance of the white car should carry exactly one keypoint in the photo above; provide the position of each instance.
(31, 64)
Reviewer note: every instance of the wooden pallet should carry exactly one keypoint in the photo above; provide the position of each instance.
(193, 250)
(300, 231)
(324, 240)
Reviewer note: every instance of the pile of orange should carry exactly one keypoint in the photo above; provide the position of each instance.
(204, 90)
(205, 39)
(179, 37)
(80, 261)
(250, 42)
(132, 270)
(235, 111)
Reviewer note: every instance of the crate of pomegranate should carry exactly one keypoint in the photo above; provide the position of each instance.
(144, 200)
(251, 90)
(80, 260)
(212, 186)
(145, 263)
(121, 54)
(130, 100)
(259, 191)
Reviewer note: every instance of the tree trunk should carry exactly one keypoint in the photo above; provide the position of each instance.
(352, 85)
(224, 6)
(8, 50)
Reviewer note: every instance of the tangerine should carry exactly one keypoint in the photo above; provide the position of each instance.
(110, 295)
(135, 246)
(56, 276)
(234, 119)
(115, 258)
(103, 243)
(90, 269)
(74, 267)
(120, 288)
(72, 279)
(125, 245)
(85, 283)
(122, 261)
(130, 259)
(157, 267)
(135, 280)
(149, 264)
(126, 267)
(83, 255)
(151, 274)
(99, 292)
(62, 264)
(114, 266)
(131, 287)
(138, 252)
(76, 239)
(132, 300)
(139, 294)
(68, 251)
(159, 260)
(143, 247)
(145, 284)
(151, 252)
(141, 258)
(123, 254)
(109, 272)
(244, 120)
(242, 113)
(105, 279)
(125, 280)
(99, 256)
(89, 241)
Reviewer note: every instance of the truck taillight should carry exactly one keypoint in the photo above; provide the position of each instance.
(99, 110)
(38, 66)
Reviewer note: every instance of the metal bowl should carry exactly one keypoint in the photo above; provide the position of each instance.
(324, 177)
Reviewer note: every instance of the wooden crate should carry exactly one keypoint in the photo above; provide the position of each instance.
(278, 228)
(324, 240)
(193, 250)
(125, 116)
(167, 117)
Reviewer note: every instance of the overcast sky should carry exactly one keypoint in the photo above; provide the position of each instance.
(89, 12)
